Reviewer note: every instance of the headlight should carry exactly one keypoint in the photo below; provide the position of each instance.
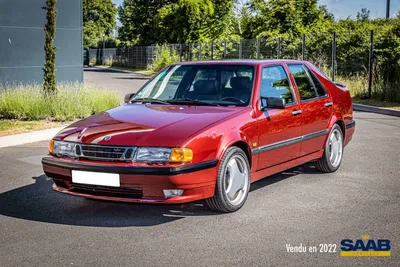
(163, 155)
(62, 149)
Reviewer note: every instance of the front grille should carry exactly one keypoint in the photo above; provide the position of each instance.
(107, 191)
(105, 153)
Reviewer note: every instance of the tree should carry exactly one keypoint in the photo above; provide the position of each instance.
(326, 14)
(220, 23)
(49, 77)
(286, 18)
(174, 21)
(363, 15)
(138, 21)
(242, 21)
(190, 15)
(99, 19)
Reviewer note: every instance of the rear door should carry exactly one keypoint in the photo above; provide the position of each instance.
(280, 129)
(316, 108)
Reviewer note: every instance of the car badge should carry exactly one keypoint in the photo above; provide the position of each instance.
(107, 138)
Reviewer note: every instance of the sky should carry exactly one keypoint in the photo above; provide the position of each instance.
(341, 9)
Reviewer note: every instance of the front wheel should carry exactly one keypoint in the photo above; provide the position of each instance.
(333, 153)
(233, 182)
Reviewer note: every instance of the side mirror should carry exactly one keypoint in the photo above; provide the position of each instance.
(272, 102)
(341, 85)
(128, 97)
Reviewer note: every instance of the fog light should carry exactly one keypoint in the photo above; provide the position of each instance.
(173, 192)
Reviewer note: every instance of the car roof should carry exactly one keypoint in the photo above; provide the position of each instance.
(241, 62)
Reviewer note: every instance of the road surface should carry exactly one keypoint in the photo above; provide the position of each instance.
(40, 227)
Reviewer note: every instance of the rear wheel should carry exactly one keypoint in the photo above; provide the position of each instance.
(333, 153)
(233, 182)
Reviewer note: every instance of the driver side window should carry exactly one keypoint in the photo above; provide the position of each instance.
(275, 83)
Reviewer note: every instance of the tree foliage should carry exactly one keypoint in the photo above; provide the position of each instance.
(174, 21)
(99, 19)
(190, 21)
(284, 18)
(363, 15)
(49, 77)
(138, 19)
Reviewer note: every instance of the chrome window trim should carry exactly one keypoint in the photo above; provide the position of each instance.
(289, 142)
(307, 70)
(315, 98)
(287, 75)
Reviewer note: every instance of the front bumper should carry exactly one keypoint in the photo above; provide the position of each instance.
(137, 184)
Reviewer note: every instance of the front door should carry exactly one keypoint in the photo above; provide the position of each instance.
(316, 108)
(280, 129)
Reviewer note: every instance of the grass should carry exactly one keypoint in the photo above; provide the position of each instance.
(377, 103)
(358, 85)
(72, 101)
(8, 127)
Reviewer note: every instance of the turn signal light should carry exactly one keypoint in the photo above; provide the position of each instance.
(51, 146)
(181, 155)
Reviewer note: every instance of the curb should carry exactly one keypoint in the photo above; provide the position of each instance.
(124, 71)
(379, 110)
(31, 137)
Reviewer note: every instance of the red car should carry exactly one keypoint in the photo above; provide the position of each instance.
(205, 130)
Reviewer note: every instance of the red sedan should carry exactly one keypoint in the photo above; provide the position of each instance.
(205, 130)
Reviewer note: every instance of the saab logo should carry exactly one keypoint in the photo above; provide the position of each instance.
(365, 247)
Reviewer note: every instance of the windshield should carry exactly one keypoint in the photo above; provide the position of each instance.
(201, 84)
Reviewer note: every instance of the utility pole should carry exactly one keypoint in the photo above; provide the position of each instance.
(104, 48)
(387, 9)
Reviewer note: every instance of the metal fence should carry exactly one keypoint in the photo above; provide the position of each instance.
(138, 57)
(321, 49)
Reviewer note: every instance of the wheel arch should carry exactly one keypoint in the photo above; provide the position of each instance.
(242, 145)
(342, 126)
(337, 119)
(246, 149)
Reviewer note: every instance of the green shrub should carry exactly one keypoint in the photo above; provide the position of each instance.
(108, 62)
(357, 84)
(72, 101)
(163, 57)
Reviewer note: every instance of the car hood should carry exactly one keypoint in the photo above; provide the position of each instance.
(145, 125)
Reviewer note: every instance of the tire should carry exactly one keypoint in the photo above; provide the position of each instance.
(329, 163)
(229, 180)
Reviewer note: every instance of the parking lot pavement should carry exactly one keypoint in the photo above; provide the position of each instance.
(121, 82)
(40, 227)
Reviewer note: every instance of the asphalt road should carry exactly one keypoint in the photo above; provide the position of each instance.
(40, 227)
(121, 82)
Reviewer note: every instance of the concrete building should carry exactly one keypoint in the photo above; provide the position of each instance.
(22, 40)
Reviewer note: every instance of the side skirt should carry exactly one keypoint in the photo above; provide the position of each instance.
(258, 175)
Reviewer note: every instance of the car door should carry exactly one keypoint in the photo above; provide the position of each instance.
(316, 108)
(280, 129)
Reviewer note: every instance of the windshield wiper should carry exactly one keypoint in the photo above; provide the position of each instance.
(150, 100)
(189, 101)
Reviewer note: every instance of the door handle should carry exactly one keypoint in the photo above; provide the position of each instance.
(296, 112)
(328, 104)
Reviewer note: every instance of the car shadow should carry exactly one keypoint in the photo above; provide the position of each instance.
(38, 202)
(307, 168)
